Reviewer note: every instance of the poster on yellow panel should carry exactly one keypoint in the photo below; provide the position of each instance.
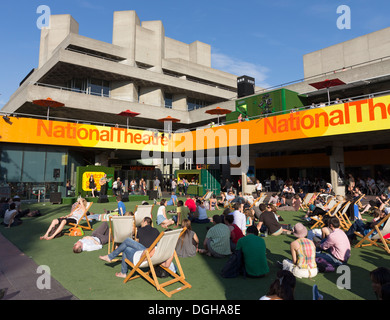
(96, 177)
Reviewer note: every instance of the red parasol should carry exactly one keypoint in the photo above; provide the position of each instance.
(49, 103)
(168, 119)
(218, 111)
(326, 84)
(128, 114)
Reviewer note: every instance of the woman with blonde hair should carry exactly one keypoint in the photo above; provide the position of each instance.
(187, 245)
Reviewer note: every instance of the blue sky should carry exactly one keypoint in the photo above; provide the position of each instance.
(259, 38)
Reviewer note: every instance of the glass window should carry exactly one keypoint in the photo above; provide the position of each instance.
(168, 98)
(96, 87)
(10, 165)
(55, 166)
(33, 166)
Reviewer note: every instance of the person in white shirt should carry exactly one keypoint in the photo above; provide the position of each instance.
(259, 187)
(98, 238)
(239, 217)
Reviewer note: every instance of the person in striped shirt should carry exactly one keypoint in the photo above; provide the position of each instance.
(303, 252)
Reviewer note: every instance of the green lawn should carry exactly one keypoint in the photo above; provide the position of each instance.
(89, 278)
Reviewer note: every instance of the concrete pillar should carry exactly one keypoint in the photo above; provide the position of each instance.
(200, 53)
(151, 95)
(124, 33)
(157, 45)
(249, 175)
(124, 90)
(60, 26)
(336, 163)
(179, 102)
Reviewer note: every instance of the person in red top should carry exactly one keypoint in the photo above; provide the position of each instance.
(190, 204)
(235, 231)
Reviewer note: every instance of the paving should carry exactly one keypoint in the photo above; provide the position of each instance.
(20, 278)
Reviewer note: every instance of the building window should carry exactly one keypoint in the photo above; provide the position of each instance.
(99, 87)
(168, 98)
(193, 104)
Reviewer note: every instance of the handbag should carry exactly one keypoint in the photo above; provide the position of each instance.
(76, 232)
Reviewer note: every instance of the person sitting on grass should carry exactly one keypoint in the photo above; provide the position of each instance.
(162, 219)
(200, 215)
(187, 245)
(282, 288)
(74, 216)
(269, 220)
(254, 251)
(336, 248)
(217, 241)
(182, 212)
(303, 252)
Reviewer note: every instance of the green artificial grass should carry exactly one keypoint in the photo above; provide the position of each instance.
(89, 278)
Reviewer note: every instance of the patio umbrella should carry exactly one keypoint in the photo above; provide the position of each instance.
(326, 84)
(169, 120)
(218, 111)
(128, 114)
(49, 103)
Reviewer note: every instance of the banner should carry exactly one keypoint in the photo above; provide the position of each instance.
(350, 117)
(46, 132)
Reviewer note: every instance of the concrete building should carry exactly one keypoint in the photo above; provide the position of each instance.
(146, 72)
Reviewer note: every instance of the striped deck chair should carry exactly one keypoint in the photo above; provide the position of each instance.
(140, 212)
(305, 204)
(342, 214)
(333, 206)
(377, 237)
(164, 248)
(83, 217)
(120, 228)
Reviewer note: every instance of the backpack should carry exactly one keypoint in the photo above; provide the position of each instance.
(76, 232)
(324, 266)
(234, 266)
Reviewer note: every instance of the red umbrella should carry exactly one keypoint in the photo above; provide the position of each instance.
(49, 103)
(218, 111)
(326, 84)
(168, 119)
(128, 114)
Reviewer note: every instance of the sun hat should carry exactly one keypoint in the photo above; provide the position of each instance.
(300, 230)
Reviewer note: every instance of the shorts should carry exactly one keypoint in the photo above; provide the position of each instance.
(68, 220)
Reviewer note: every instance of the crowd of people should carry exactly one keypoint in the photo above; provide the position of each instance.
(239, 223)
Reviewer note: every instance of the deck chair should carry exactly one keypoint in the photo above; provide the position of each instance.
(305, 205)
(140, 212)
(164, 247)
(381, 239)
(84, 216)
(120, 228)
(207, 196)
(259, 200)
(342, 215)
(333, 206)
(306, 200)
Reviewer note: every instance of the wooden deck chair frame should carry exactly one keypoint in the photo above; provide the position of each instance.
(331, 212)
(140, 212)
(376, 240)
(120, 228)
(345, 222)
(163, 251)
(207, 196)
(78, 224)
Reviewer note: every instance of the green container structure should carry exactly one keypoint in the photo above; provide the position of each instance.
(204, 179)
(282, 101)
